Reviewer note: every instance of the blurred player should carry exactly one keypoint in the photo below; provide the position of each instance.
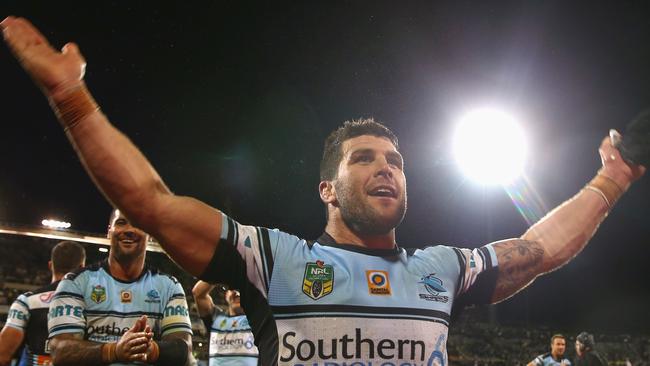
(586, 355)
(556, 356)
(27, 320)
(120, 311)
(231, 338)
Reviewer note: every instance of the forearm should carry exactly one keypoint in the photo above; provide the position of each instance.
(10, 340)
(75, 352)
(129, 181)
(565, 231)
(201, 293)
(550, 243)
(115, 164)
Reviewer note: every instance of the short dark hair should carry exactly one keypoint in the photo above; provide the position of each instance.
(332, 152)
(558, 335)
(67, 256)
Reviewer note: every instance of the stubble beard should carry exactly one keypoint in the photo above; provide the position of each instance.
(363, 218)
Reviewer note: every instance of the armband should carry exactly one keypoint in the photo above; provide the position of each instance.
(169, 353)
(109, 354)
(606, 188)
(74, 107)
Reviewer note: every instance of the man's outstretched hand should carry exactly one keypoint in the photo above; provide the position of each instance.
(53, 71)
(614, 166)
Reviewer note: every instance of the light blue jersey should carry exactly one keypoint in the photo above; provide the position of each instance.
(547, 359)
(324, 303)
(231, 341)
(102, 308)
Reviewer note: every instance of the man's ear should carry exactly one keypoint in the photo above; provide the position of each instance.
(327, 192)
(49, 266)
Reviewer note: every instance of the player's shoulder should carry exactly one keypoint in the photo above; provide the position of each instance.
(160, 275)
(93, 267)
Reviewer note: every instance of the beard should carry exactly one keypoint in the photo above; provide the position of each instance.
(127, 255)
(361, 217)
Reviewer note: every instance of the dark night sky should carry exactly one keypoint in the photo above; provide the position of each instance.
(231, 103)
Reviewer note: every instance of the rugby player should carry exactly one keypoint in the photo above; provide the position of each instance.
(120, 311)
(353, 295)
(231, 337)
(556, 356)
(27, 318)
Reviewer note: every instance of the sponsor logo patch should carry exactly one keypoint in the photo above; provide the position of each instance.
(378, 282)
(126, 296)
(98, 294)
(433, 288)
(318, 280)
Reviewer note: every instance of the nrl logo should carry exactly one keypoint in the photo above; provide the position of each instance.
(98, 294)
(318, 280)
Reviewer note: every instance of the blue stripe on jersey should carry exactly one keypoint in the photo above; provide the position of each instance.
(67, 295)
(118, 314)
(18, 300)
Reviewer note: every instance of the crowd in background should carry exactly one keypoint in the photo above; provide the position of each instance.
(473, 340)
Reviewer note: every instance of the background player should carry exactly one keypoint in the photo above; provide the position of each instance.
(120, 311)
(586, 354)
(27, 320)
(556, 356)
(231, 338)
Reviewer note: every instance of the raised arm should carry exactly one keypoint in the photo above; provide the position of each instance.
(565, 231)
(204, 303)
(188, 229)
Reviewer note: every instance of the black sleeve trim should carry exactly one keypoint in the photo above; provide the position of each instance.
(461, 268)
(268, 254)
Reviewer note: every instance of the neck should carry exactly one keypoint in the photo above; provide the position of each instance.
(555, 355)
(57, 277)
(341, 233)
(126, 269)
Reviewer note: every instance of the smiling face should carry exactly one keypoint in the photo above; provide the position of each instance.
(370, 186)
(127, 242)
(558, 346)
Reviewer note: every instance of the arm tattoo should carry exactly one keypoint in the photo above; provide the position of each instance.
(520, 261)
(73, 350)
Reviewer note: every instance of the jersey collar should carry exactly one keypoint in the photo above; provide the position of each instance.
(327, 240)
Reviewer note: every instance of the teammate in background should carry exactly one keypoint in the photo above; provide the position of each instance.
(556, 356)
(231, 338)
(120, 311)
(27, 319)
(353, 295)
(586, 354)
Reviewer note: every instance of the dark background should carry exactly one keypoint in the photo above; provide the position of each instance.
(231, 103)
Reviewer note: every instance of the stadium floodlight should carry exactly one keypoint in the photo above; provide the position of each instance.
(490, 147)
(103, 250)
(55, 224)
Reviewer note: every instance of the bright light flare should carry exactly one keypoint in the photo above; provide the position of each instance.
(103, 250)
(490, 147)
(55, 224)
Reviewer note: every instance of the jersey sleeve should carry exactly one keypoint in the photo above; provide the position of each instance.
(18, 316)
(477, 275)
(538, 361)
(244, 256)
(177, 316)
(67, 308)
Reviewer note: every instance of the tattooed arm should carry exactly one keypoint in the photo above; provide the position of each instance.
(561, 234)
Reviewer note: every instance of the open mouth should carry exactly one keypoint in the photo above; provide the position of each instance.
(383, 191)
